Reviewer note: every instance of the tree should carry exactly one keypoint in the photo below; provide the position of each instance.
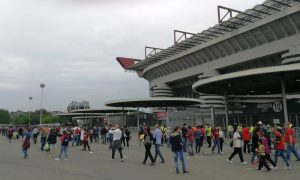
(5, 117)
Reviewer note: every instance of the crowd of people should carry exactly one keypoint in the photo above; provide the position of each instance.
(258, 141)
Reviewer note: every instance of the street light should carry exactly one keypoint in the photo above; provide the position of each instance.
(30, 98)
(41, 113)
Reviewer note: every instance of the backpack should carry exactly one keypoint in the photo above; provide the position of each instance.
(65, 141)
(147, 139)
(197, 134)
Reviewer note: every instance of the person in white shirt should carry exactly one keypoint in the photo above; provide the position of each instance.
(116, 144)
(237, 145)
(221, 137)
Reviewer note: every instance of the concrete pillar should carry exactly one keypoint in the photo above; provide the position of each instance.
(123, 117)
(284, 101)
(212, 116)
(226, 109)
(138, 117)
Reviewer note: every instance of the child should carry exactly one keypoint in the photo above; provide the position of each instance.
(262, 156)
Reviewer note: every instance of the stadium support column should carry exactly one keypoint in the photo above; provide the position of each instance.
(226, 109)
(212, 116)
(284, 100)
(138, 117)
(123, 116)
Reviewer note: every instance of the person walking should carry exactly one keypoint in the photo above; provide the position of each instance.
(190, 141)
(85, 141)
(237, 145)
(246, 138)
(221, 137)
(128, 136)
(290, 141)
(157, 142)
(148, 138)
(116, 143)
(26, 142)
(208, 134)
(35, 133)
(262, 156)
(265, 142)
(44, 134)
(64, 146)
(52, 140)
(216, 140)
(197, 136)
(279, 148)
(254, 145)
(177, 149)
(184, 131)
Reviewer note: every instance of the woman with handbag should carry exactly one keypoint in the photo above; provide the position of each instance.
(148, 138)
(26, 143)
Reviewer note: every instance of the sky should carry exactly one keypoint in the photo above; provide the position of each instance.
(71, 46)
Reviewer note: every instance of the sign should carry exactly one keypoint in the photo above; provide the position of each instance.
(277, 107)
(264, 107)
(276, 121)
(160, 115)
(105, 119)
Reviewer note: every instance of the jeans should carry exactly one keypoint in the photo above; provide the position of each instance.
(291, 149)
(253, 156)
(43, 142)
(198, 147)
(216, 143)
(184, 144)
(103, 138)
(282, 154)
(25, 152)
(221, 144)
(63, 149)
(190, 147)
(75, 139)
(180, 155)
(157, 152)
(168, 142)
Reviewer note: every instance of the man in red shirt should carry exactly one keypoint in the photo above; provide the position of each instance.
(290, 141)
(216, 139)
(279, 148)
(246, 138)
(190, 141)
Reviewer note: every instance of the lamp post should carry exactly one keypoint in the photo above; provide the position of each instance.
(30, 98)
(41, 112)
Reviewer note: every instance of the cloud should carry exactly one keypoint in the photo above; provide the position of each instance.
(71, 45)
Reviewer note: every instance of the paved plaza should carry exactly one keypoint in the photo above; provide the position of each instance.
(99, 166)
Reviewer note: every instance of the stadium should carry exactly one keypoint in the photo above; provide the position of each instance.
(244, 69)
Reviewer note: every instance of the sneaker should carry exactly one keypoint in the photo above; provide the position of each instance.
(275, 168)
(91, 152)
(230, 161)
(57, 159)
(244, 162)
(288, 168)
(122, 160)
(163, 161)
(222, 153)
(253, 164)
(185, 172)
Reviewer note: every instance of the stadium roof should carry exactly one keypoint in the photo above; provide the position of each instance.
(258, 12)
(153, 102)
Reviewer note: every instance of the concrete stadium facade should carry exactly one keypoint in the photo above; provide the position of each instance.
(251, 58)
